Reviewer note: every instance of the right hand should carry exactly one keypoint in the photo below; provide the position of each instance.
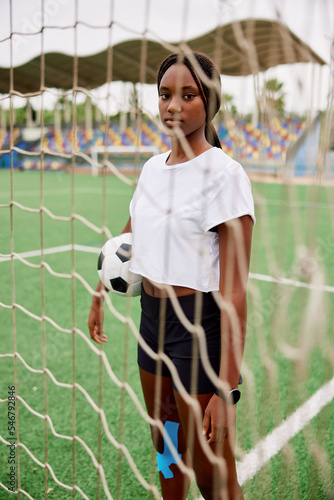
(96, 317)
(218, 418)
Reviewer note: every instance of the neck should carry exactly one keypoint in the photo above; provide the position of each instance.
(188, 148)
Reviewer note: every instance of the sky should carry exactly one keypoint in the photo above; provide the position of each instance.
(306, 85)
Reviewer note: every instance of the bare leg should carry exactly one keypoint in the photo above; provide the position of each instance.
(164, 408)
(216, 481)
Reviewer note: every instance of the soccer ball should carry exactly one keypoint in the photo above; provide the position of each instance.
(113, 266)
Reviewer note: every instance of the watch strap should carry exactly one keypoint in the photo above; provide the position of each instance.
(230, 397)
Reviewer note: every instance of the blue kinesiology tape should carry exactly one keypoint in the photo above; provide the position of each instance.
(166, 458)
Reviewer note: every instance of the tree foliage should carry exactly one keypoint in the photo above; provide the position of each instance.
(272, 99)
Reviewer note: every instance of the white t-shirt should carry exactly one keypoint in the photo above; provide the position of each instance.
(172, 211)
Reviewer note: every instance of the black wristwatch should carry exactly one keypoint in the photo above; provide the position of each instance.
(231, 397)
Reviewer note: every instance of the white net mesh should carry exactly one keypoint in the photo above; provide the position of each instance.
(73, 419)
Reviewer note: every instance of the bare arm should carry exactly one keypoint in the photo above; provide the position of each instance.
(234, 256)
(96, 314)
(127, 228)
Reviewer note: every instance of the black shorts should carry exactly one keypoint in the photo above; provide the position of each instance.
(178, 342)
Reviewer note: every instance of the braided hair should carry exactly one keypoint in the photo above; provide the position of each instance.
(207, 79)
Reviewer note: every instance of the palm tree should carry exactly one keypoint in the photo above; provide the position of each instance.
(228, 104)
(274, 95)
(228, 108)
(271, 100)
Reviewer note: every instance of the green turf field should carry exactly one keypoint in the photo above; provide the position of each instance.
(289, 352)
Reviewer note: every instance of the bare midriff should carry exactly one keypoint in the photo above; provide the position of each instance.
(161, 291)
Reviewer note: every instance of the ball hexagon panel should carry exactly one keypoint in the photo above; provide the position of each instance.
(113, 266)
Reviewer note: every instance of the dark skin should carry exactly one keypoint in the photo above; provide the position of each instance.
(96, 315)
(182, 112)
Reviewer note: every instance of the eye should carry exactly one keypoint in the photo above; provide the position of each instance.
(164, 96)
(188, 96)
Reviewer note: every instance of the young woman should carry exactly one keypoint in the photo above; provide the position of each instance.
(191, 216)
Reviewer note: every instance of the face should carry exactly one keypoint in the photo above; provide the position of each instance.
(180, 102)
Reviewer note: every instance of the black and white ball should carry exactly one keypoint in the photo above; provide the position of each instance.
(113, 266)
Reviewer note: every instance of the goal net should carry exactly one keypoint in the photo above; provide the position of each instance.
(128, 157)
(73, 421)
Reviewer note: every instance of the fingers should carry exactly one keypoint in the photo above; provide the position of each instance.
(218, 435)
(217, 419)
(96, 327)
(206, 424)
(100, 339)
(95, 321)
(96, 335)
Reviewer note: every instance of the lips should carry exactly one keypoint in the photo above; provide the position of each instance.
(172, 121)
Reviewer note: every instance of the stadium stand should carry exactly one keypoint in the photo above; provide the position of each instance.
(240, 139)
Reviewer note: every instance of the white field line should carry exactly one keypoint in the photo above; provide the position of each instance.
(65, 192)
(272, 444)
(85, 248)
(293, 203)
(287, 281)
(48, 251)
(268, 447)
(92, 190)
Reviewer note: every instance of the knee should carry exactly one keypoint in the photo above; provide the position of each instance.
(176, 435)
(157, 439)
(169, 449)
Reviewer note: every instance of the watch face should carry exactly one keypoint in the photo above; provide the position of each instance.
(235, 395)
(231, 397)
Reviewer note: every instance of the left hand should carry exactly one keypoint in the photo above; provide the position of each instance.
(218, 417)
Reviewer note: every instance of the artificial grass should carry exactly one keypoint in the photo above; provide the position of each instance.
(287, 224)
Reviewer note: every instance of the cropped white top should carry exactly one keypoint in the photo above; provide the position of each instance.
(172, 211)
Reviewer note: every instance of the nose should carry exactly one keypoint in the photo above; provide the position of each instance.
(174, 105)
